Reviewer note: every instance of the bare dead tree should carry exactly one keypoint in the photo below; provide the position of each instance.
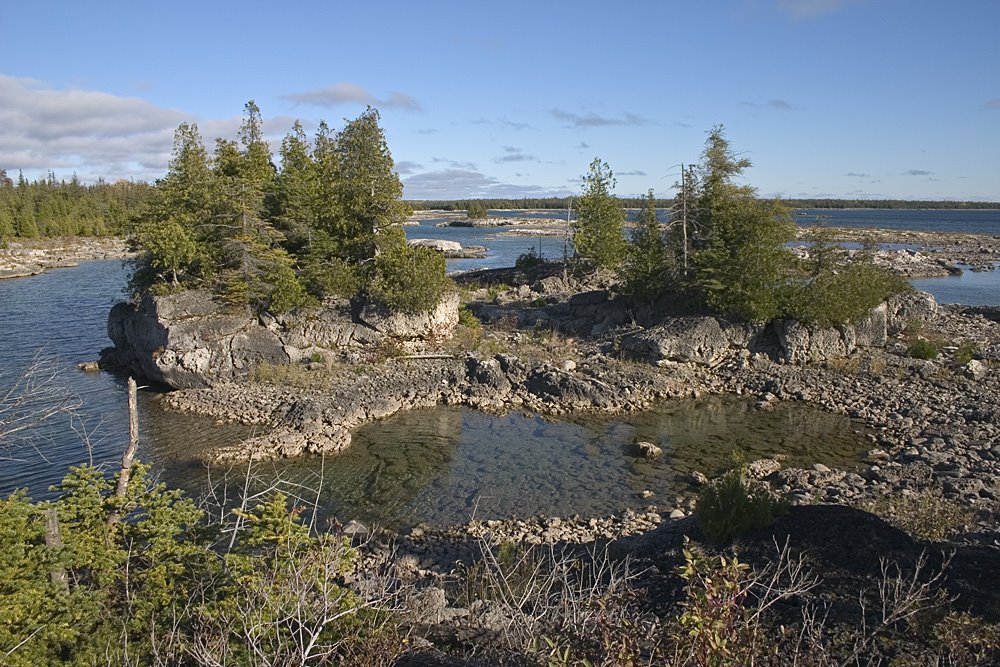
(35, 397)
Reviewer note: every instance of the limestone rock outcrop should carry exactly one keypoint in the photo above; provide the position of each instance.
(190, 340)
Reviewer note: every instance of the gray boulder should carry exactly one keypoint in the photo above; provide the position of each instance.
(188, 340)
(439, 322)
(902, 309)
(693, 339)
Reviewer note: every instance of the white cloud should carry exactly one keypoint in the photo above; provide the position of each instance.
(468, 184)
(351, 93)
(592, 119)
(90, 132)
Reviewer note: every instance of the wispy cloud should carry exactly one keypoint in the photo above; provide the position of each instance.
(592, 119)
(780, 105)
(407, 167)
(803, 9)
(512, 154)
(467, 183)
(582, 145)
(455, 164)
(636, 172)
(855, 174)
(351, 93)
(992, 104)
(93, 133)
(917, 172)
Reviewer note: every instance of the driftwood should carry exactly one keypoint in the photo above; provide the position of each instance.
(129, 454)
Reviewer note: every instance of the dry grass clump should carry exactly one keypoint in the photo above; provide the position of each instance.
(925, 514)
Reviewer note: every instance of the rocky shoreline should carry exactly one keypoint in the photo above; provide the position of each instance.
(23, 258)
(553, 346)
(932, 424)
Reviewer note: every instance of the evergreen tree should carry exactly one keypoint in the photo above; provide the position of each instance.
(647, 265)
(176, 233)
(741, 265)
(296, 189)
(369, 187)
(597, 231)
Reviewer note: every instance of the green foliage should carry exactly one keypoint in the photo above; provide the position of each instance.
(408, 279)
(837, 288)
(732, 505)
(743, 268)
(597, 231)
(46, 207)
(921, 348)
(476, 210)
(467, 319)
(647, 267)
(528, 259)
(965, 353)
(158, 587)
(717, 626)
(326, 224)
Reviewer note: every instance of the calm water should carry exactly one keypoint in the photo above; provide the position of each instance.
(439, 465)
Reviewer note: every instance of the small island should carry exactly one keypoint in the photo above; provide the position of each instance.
(290, 299)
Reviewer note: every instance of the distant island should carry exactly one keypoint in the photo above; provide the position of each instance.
(562, 203)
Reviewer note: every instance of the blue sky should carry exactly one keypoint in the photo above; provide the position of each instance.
(828, 98)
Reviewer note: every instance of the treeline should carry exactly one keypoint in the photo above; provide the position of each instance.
(47, 207)
(554, 203)
(901, 204)
(327, 223)
(725, 249)
(562, 203)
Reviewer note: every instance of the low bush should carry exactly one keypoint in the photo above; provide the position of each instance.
(467, 319)
(528, 259)
(732, 505)
(922, 348)
(926, 514)
(408, 279)
(965, 353)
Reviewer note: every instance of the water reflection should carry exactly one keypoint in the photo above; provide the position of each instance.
(445, 465)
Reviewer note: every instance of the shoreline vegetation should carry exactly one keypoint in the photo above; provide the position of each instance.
(760, 564)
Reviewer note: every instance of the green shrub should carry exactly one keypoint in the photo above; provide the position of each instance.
(408, 279)
(331, 276)
(467, 319)
(528, 259)
(922, 348)
(965, 353)
(846, 295)
(732, 505)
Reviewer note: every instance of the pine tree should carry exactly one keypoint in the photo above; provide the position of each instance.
(647, 265)
(597, 231)
(741, 265)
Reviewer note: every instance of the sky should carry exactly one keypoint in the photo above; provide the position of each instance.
(827, 98)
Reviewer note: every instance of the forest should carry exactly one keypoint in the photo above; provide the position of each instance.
(47, 207)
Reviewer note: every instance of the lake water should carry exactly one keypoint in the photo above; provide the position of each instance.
(434, 465)
(439, 465)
